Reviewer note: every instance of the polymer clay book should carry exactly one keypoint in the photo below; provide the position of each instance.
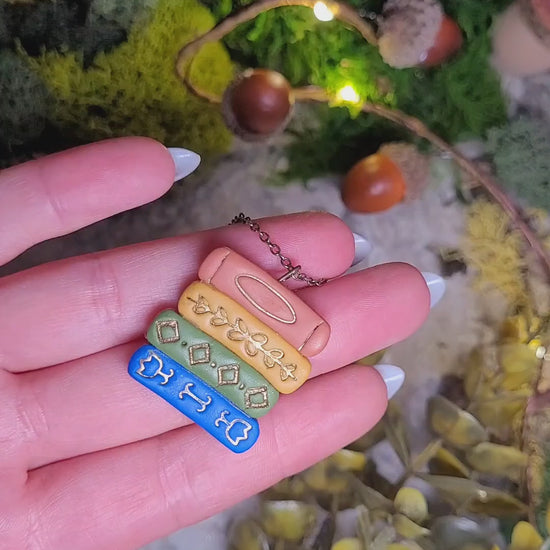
(238, 340)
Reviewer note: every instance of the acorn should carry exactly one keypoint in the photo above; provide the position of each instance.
(417, 33)
(521, 39)
(397, 172)
(258, 104)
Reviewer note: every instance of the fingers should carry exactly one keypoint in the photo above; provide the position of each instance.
(72, 308)
(60, 193)
(93, 404)
(131, 495)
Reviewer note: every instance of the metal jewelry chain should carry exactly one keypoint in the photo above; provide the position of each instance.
(293, 272)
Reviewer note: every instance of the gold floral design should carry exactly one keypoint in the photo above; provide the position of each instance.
(239, 332)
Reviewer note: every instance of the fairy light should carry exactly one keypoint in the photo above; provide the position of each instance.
(323, 12)
(348, 93)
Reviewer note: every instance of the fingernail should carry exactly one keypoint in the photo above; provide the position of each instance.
(393, 378)
(362, 248)
(436, 286)
(185, 161)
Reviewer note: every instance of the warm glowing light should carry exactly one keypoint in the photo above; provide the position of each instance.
(323, 12)
(347, 93)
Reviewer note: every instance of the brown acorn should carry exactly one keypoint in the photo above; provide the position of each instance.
(258, 104)
(397, 172)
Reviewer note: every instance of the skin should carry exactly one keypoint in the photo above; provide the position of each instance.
(89, 458)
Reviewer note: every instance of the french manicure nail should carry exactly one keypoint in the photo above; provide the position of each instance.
(362, 248)
(436, 286)
(393, 378)
(185, 161)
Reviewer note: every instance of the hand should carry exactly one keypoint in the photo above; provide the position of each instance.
(89, 458)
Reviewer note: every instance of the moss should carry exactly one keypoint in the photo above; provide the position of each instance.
(496, 252)
(461, 98)
(22, 101)
(133, 90)
(521, 154)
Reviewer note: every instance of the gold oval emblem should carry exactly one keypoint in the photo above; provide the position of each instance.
(286, 305)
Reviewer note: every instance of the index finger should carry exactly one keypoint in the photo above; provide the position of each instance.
(60, 193)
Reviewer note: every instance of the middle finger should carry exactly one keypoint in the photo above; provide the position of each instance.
(92, 404)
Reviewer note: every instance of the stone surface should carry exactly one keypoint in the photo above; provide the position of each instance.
(213, 363)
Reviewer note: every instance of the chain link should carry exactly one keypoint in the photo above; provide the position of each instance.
(292, 271)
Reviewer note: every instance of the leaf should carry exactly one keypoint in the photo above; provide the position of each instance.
(251, 349)
(288, 519)
(525, 537)
(273, 357)
(364, 525)
(321, 477)
(371, 498)
(456, 426)
(348, 461)
(219, 318)
(426, 455)
(247, 535)
(520, 365)
(235, 333)
(447, 464)
(460, 533)
(407, 528)
(383, 538)
(474, 497)
(396, 434)
(201, 306)
(501, 413)
(348, 544)
(260, 338)
(411, 503)
(500, 460)
(241, 325)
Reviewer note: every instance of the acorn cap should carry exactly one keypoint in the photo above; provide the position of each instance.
(258, 104)
(407, 31)
(414, 166)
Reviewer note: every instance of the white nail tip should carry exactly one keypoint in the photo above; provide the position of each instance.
(362, 248)
(393, 378)
(436, 286)
(185, 161)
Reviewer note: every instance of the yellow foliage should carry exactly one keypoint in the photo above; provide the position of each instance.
(525, 537)
(495, 250)
(133, 89)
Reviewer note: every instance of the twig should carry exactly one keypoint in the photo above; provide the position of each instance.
(344, 13)
(420, 129)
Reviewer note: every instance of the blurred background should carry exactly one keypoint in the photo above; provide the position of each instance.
(361, 109)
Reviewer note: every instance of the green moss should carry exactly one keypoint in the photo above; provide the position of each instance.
(133, 90)
(460, 98)
(521, 154)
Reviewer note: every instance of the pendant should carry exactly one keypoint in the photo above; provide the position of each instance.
(238, 340)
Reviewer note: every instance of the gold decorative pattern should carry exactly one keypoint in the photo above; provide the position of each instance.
(259, 307)
(153, 360)
(233, 370)
(162, 329)
(250, 392)
(195, 357)
(252, 342)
